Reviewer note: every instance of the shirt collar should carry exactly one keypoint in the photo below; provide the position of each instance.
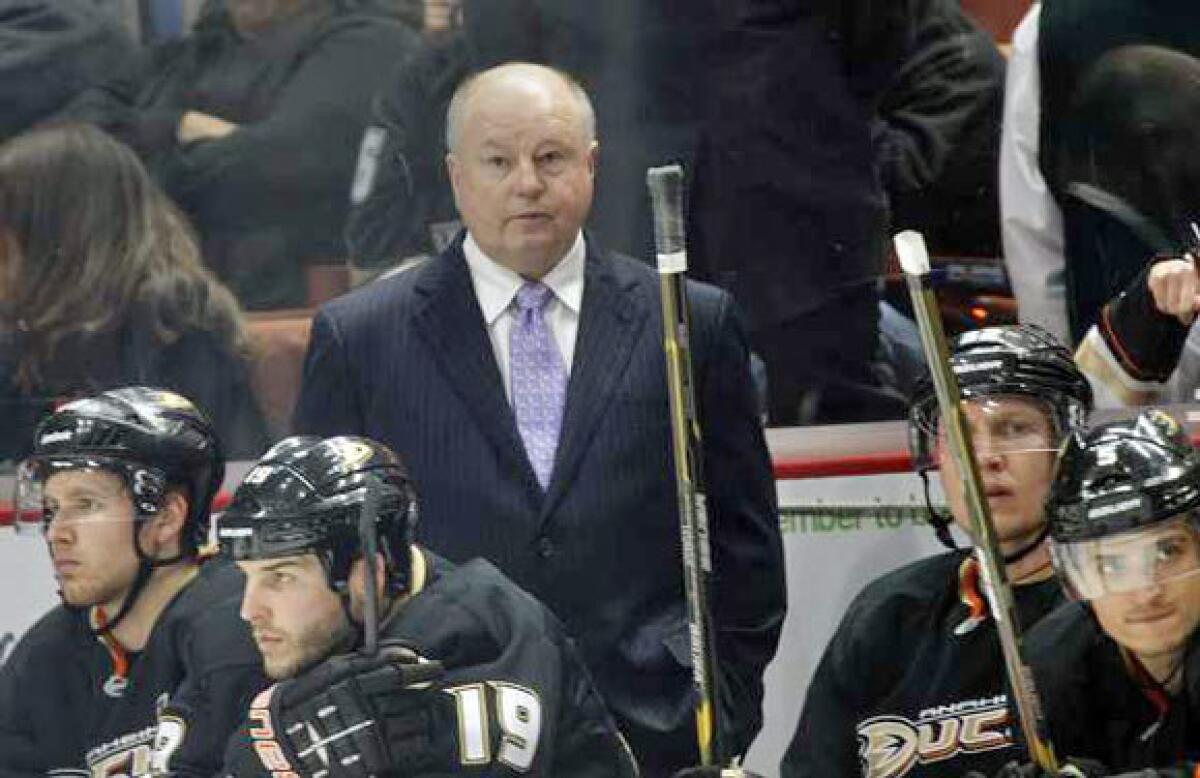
(496, 285)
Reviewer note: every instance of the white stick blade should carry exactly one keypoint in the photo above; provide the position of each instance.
(911, 251)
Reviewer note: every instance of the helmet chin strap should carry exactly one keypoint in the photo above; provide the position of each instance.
(1028, 548)
(343, 594)
(938, 520)
(941, 526)
(146, 567)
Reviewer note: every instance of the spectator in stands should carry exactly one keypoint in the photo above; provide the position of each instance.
(1130, 169)
(50, 50)
(401, 204)
(251, 124)
(1050, 236)
(101, 285)
(570, 492)
(937, 133)
(1134, 173)
(1134, 354)
(787, 207)
(917, 651)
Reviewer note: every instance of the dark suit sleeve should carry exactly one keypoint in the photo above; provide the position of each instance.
(328, 403)
(750, 595)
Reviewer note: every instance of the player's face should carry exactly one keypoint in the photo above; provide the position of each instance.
(297, 620)
(90, 535)
(1156, 619)
(1013, 441)
(522, 170)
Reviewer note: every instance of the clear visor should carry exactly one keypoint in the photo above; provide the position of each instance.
(70, 491)
(27, 498)
(1126, 562)
(1001, 425)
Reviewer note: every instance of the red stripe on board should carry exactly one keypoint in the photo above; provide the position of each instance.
(860, 464)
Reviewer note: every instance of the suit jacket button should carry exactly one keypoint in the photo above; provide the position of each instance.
(545, 548)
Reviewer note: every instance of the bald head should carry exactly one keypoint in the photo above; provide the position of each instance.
(521, 81)
(522, 159)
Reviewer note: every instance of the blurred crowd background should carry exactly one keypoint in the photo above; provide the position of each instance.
(183, 181)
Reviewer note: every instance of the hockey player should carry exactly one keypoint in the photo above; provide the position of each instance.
(503, 691)
(912, 683)
(1119, 671)
(124, 481)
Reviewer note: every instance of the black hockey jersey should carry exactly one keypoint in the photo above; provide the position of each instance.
(69, 706)
(503, 648)
(913, 683)
(1101, 705)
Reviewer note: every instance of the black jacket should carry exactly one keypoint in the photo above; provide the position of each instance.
(197, 365)
(60, 710)
(50, 50)
(1097, 709)
(911, 684)
(937, 132)
(1101, 258)
(489, 633)
(271, 197)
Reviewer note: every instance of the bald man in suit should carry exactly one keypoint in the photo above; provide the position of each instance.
(521, 376)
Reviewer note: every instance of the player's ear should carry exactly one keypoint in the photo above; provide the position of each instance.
(358, 575)
(165, 528)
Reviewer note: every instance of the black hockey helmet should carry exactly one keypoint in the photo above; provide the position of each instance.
(1123, 475)
(306, 495)
(1123, 497)
(1021, 359)
(153, 439)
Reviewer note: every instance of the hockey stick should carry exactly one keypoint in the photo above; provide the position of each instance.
(369, 542)
(666, 197)
(914, 259)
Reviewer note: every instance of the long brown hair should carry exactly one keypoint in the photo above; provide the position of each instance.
(87, 239)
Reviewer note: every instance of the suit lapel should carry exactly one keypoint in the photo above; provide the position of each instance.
(451, 323)
(610, 321)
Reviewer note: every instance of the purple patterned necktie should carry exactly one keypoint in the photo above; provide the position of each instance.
(539, 381)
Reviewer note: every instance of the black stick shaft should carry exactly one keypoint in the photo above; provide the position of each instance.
(369, 542)
(666, 194)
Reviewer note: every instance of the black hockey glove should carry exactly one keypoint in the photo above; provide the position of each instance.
(355, 716)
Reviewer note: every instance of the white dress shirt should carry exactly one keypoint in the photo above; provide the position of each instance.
(1030, 221)
(496, 289)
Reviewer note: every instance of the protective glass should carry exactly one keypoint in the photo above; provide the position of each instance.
(1132, 560)
(1004, 425)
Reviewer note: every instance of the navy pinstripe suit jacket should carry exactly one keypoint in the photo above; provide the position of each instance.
(407, 361)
